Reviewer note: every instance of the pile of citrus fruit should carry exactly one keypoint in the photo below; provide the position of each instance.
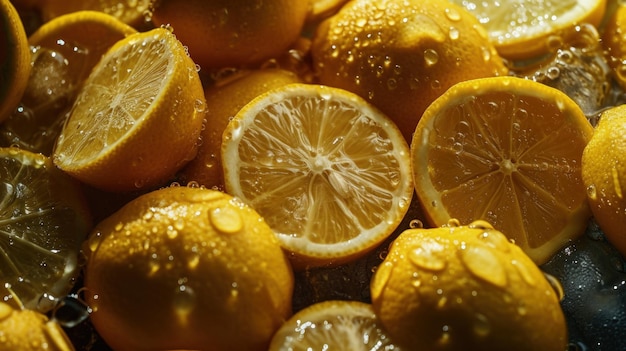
(299, 175)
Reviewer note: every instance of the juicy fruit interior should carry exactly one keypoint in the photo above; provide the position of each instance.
(114, 101)
(345, 178)
(520, 164)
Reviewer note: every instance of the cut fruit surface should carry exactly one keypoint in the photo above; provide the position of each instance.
(329, 325)
(43, 221)
(524, 28)
(327, 170)
(138, 115)
(506, 150)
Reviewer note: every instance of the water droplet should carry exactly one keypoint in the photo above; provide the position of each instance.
(556, 286)
(71, 311)
(496, 240)
(453, 33)
(481, 326)
(453, 223)
(428, 255)
(361, 22)
(453, 14)
(226, 220)
(524, 272)
(94, 241)
(416, 224)
(431, 57)
(484, 264)
(591, 192)
(184, 301)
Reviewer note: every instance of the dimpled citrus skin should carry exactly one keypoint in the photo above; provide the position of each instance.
(187, 268)
(604, 175)
(401, 55)
(233, 33)
(465, 288)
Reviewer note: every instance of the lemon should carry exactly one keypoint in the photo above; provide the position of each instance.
(186, 268)
(522, 29)
(465, 288)
(335, 324)
(401, 55)
(132, 12)
(604, 175)
(242, 33)
(329, 172)
(137, 119)
(43, 222)
(506, 150)
(15, 59)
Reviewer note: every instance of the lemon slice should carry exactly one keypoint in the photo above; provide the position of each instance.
(333, 325)
(506, 150)
(523, 28)
(137, 119)
(327, 170)
(43, 222)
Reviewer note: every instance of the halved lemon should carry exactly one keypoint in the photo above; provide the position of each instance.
(525, 28)
(137, 119)
(328, 171)
(333, 325)
(506, 150)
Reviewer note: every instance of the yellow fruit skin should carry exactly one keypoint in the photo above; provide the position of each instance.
(604, 175)
(14, 59)
(614, 43)
(187, 268)
(401, 55)
(462, 288)
(233, 33)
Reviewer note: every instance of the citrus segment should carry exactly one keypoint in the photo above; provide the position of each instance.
(328, 171)
(138, 115)
(43, 221)
(604, 175)
(465, 288)
(507, 150)
(14, 59)
(524, 28)
(64, 50)
(401, 55)
(336, 324)
(197, 270)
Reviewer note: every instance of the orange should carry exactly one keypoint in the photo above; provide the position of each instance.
(465, 288)
(132, 12)
(401, 55)
(333, 325)
(14, 59)
(604, 175)
(43, 221)
(506, 150)
(186, 268)
(224, 99)
(527, 29)
(329, 172)
(65, 49)
(137, 118)
(233, 33)
(27, 330)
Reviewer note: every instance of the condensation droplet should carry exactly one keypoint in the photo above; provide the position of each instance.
(481, 326)
(556, 286)
(484, 264)
(591, 192)
(429, 255)
(452, 14)
(226, 220)
(431, 57)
